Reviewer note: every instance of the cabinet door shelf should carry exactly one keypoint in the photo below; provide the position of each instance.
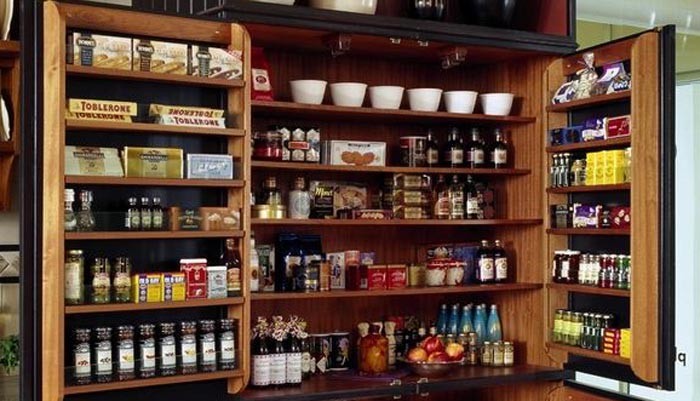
(125, 235)
(591, 101)
(128, 75)
(366, 114)
(589, 353)
(588, 231)
(156, 182)
(465, 289)
(292, 166)
(590, 188)
(582, 146)
(587, 289)
(156, 381)
(394, 222)
(132, 307)
(146, 128)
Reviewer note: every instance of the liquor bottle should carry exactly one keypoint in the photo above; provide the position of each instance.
(456, 196)
(453, 152)
(500, 262)
(299, 200)
(442, 321)
(389, 330)
(499, 152)
(307, 362)
(484, 269)
(493, 329)
(146, 214)
(475, 150)
(399, 337)
(270, 194)
(231, 258)
(254, 266)
(465, 322)
(293, 361)
(260, 372)
(453, 322)
(441, 197)
(69, 221)
(157, 220)
(471, 196)
(133, 216)
(432, 151)
(278, 363)
(480, 324)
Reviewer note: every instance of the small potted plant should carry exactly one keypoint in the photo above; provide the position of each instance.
(9, 355)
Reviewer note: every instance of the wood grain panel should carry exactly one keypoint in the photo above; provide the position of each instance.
(571, 394)
(645, 202)
(9, 151)
(52, 351)
(604, 54)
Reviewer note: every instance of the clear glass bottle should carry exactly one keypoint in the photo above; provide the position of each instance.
(146, 214)
(124, 353)
(207, 346)
(441, 199)
(443, 320)
(456, 194)
(231, 258)
(499, 152)
(167, 353)
(475, 150)
(70, 222)
(102, 354)
(82, 360)
(466, 324)
(147, 351)
(432, 151)
(133, 216)
(101, 283)
(554, 171)
(299, 200)
(85, 218)
(227, 344)
(480, 324)
(121, 282)
(471, 196)
(157, 219)
(500, 261)
(74, 266)
(270, 193)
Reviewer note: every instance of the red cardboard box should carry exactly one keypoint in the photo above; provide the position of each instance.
(397, 277)
(376, 277)
(195, 277)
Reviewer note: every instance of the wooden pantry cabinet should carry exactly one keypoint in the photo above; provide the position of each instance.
(530, 64)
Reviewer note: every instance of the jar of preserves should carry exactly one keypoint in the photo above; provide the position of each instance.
(576, 328)
(487, 354)
(558, 330)
(74, 267)
(566, 329)
(508, 354)
(227, 344)
(82, 361)
(374, 349)
(498, 354)
(100, 281)
(102, 354)
(207, 346)
(122, 280)
(167, 361)
(436, 272)
(267, 145)
(187, 352)
(125, 353)
(147, 351)
(574, 266)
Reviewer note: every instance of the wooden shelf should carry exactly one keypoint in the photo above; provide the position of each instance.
(9, 48)
(366, 114)
(589, 353)
(162, 182)
(9, 280)
(394, 222)
(111, 126)
(348, 385)
(602, 144)
(590, 188)
(270, 296)
(125, 235)
(256, 164)
(588, 231)
(591, 101)
(586, 289)
(93, 72)
(7, 147)
(156, 381)
(132, 307)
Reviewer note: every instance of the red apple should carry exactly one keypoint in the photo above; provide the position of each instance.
(438, 357)
(455, 351)
(432, 344)
(417, 354)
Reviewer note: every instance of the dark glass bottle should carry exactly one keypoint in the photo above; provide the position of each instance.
(82, 360)
(133, 216)
(227, 344)
(293, 369)
(124, 353)
(432, 151)
(260, 371)
(456, 196)
(167, 353)
(187, 348)
(146, 214)
(400, 341)
(278, 363)
(499, 151)
(500, 262)
(157, 219)
(475, 150)
(270, 194)
(441, 199)
(207, 346)
(102, 354)
(453, 151)
(484, 269)
(232, 260)
(147, 351)
(471, 196)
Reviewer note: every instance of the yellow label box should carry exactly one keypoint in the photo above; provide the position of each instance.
(174, 287)
(93, 106)
(147, 288)
(153, 162)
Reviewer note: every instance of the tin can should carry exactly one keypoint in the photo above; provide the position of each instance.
(487, 354)
(339, 351)
(320, 351)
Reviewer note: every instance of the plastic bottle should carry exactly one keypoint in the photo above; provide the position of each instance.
(494, 331)
(480, 324)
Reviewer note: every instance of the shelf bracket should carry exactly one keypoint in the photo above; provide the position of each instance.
(338, 43)
(422, 380)
(396, 383)
(453, 56)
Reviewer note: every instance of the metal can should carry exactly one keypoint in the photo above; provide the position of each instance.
(498, 354)
(508, 354)
(487, 354)
(321, 348)
(339, 351)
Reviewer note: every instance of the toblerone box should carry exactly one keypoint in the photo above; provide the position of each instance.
(184, 111)
(152, 162)
(101, 110)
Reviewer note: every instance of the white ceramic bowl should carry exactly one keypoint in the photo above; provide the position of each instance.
(283, 2)
(353, 6)
(348, 94)
(424, 99)
(309, 91)
(497, 104)
(386, 97)
(460, 101)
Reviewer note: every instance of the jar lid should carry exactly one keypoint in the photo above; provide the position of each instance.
(75, 252)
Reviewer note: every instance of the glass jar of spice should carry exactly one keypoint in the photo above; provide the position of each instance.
(187, 353)
(147, 351)
(82, 362)
(74, 266)
(207, 346)
(122, 280)
(125, 353)
(101, 283)
(166, 350)
(102, 354)
(487, 354)
(498, 354)
(227, 344)
(508, 354)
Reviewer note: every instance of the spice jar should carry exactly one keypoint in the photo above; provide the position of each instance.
(436, 273)
(508, 354)
(487, 354)
(122, 280)
(498, 351)
(167, 361)
(187, 352)
(267, 145)
(102, 354)
(69, 221)
(227, 344)
(125, 353)
(207, 346)
(101, 283)
(558, 329)
(82, 373)
(74, 266)
(147, 351)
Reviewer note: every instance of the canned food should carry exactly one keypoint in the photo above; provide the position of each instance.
(339, 351)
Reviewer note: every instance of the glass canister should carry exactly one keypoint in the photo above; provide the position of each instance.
(74, 290)
(122, 280)
(207, 346)
(101, 282)
(82, 361)
(102, 354)
(267, 145)
(374, 348)
(167, 354)
(125, 353)
(436, 272)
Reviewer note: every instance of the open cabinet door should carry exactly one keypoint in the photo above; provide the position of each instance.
(645, 184)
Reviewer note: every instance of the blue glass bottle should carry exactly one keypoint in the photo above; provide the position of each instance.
(494, 331)
(465, 324)
(480, 324)
(442, 320)
(453, 324)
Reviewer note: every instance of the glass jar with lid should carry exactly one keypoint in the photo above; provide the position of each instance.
(227, 344)
(166, 350)
(122, 280)
(436, 273)
(125, 353)
(207, 346)
(187, 350)
(100, 290)
(82, 361)
(74, 271)
(102, 354)
(147, 351)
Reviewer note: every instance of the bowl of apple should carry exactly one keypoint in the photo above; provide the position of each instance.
(431, 358)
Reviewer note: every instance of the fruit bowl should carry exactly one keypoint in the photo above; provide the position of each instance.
(432, 369)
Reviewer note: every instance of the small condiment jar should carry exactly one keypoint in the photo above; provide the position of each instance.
(498, 351)
(125, 353)
(487, 354)
(508, 354)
